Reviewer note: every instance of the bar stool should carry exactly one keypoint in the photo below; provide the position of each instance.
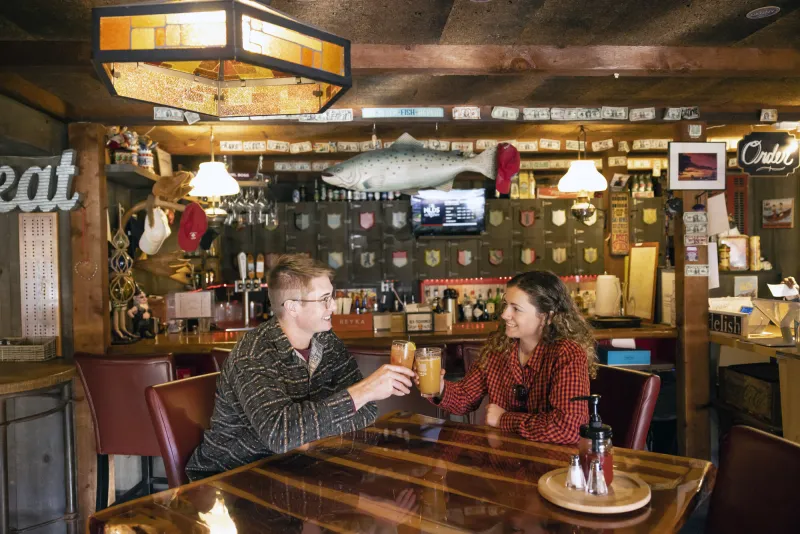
(115, 389)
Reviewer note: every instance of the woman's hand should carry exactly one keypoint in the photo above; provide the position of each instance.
(789, 282)
(493, 414)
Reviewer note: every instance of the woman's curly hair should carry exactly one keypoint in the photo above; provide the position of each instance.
(548, 294)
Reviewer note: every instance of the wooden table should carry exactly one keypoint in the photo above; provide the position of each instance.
(51, 378)
(418, 473)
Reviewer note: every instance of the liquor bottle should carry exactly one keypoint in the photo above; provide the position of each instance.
(296, 196)
(363, 303)
(480, 307)
(515, 187)
(490, 308)
(303, 193)
(390, 195)
(323, 194)
(437, 303)
(356, 305)
(316, 191)
(349, 196)
(467, 309)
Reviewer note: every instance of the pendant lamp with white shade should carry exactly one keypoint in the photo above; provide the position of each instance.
(584, 179)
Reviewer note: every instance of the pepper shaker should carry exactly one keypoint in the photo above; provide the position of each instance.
(596, 485)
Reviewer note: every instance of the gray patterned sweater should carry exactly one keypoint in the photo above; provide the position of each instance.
(270, 400)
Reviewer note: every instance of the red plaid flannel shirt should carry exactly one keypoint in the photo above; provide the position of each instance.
(554, 374)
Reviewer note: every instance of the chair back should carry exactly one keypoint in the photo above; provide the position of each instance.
(181, 411)
(219, 356)
(369, 360)
(472, 354)
(627, 404)
(115, 388)
(754, 489)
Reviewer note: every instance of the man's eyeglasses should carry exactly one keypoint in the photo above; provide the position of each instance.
(326, 300)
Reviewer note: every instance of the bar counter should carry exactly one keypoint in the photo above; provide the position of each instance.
(203, 343)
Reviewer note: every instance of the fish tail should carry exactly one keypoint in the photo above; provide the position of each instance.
(485, 163)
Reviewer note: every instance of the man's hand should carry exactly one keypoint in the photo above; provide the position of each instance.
(493, 414)
(789, 281)
(388, 380)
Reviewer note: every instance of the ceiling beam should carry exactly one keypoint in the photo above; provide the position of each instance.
(479, 60)
(576, 61)
(20, 89)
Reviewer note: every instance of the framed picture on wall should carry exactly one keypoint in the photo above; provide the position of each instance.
(777, 213)
(697, 166)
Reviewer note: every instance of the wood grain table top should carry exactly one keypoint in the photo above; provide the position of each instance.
(19, 377)
(409, 473)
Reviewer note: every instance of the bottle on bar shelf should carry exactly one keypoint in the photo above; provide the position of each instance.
(356, 305)
(490, 307)
(323, 194)
(437, 303)
(478, 310)
(303, 197)
(466, 308)
(316, 190)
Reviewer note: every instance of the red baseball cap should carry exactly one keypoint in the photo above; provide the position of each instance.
(507, 166)
(193, 225)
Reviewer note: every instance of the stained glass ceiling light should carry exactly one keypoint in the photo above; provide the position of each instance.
(224, 58)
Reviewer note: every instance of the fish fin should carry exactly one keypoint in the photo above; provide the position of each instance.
(485, 163)
(374, 184)
(406, 141)
(447, 186)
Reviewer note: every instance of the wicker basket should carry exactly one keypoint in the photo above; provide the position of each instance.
(27, 349)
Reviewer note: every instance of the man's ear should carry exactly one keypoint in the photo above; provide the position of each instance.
(291, 307)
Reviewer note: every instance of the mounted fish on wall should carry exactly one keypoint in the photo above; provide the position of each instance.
(408, 166)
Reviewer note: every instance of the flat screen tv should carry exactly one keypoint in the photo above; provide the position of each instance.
(454, 212)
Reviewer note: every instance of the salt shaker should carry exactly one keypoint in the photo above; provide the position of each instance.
(575, 478)
(596, 485)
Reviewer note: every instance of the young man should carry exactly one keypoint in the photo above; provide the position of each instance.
(291, 380)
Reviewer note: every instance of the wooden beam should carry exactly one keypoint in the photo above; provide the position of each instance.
(693, 359)
(15, 86)
(90, 299)
(27, 132)
(479, 60)
(575, 60)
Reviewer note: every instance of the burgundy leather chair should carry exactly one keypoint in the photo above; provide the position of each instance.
(369, 360)
(627, 403)
(754, 490)
(219, 356)
(115, 387)
(181, 411)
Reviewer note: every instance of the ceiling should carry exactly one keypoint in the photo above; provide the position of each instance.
(73, 92)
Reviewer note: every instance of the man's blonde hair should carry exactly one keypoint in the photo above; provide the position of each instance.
(291, 277)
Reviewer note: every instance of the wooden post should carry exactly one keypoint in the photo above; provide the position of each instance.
(693, 362)
(90, 301)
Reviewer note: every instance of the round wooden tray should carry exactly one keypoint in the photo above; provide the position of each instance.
(627, 493)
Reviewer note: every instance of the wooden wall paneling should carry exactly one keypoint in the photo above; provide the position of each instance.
(90, 299)
(693, 360)
(10, 320)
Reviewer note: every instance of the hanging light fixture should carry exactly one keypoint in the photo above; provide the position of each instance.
(223, 58)
(213, 181)
(584, 179)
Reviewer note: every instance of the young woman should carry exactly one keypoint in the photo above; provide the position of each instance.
(542, 356)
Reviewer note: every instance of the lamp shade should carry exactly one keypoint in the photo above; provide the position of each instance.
(213, 180)
(220, 58)
(582, 176)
